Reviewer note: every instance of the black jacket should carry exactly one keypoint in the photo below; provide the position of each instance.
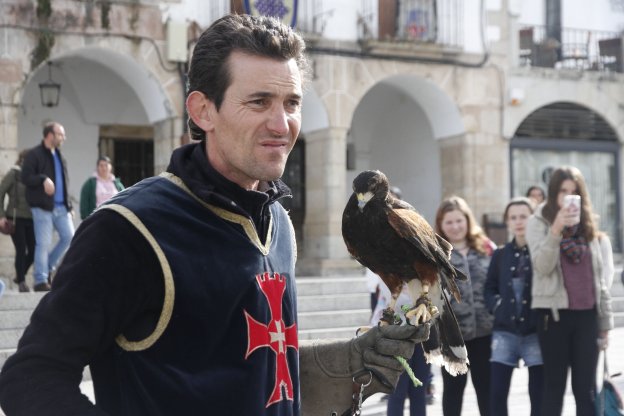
(499, 294)
(110, 282)
(39, 165)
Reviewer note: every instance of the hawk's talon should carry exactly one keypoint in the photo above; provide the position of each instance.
(423, 311)
(361, 330)
(419, 314)
(388, 317)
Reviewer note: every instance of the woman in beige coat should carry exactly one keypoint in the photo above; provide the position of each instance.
(572, 270)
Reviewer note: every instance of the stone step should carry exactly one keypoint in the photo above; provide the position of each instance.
(311, 303)
(331, 285)
(12, 300)
(15, 319)
(10, 337)
(5, 353)
(327, 333)
(334, 319)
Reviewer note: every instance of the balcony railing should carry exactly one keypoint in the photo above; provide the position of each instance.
(437, 22)
(312, 16)
(571, 48)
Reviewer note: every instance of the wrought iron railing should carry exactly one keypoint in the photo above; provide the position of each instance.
(416, 21)
(312, 16)
(571, 48)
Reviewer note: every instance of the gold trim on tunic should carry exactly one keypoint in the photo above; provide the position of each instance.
(245, 222)
(167, 309)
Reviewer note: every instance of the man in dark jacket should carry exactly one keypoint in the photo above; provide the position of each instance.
(179, 292)
(45, 175)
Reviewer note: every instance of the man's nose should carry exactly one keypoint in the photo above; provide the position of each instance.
(278, 121)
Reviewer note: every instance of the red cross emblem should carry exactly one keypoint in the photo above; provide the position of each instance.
(274, 335)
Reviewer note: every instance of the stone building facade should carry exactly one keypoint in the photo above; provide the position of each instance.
(439, 117)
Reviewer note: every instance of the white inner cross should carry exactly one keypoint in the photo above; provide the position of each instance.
(279, 336)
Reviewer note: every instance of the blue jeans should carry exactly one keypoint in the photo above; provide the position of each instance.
(508, 349)
(45, 223)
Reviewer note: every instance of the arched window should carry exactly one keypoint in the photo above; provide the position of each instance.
(569, 134)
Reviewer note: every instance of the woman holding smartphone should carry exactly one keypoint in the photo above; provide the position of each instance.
(572, 265)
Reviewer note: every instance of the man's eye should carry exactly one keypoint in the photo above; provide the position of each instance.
(293, 105)
(259, 102)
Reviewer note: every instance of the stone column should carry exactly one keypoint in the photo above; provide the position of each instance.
(10, 79)
(475, 166)
(324, 251)
(8, 136)
(167, 136)
(8, 155)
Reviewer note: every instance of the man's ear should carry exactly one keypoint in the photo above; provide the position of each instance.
(199, 109)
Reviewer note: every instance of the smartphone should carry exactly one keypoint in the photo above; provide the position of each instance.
(572, 200)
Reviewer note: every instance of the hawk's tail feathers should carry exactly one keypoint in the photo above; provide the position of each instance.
(445, 345)
(453, 358)
(451, 340)
(434, 357)
(455, 369)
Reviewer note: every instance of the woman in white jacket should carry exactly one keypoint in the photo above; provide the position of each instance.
(572, 270)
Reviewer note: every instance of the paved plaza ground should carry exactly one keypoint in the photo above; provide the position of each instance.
(519, 404)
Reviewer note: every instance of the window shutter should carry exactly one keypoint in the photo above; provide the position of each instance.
(387, 19)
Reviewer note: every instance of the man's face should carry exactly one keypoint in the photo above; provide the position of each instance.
(257, 125)
(58, 136)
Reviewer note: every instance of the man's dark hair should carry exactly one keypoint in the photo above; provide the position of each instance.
(261, 36)
(49, 128)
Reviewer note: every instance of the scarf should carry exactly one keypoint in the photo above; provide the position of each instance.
(572, 244)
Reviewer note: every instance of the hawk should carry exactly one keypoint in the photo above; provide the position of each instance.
(393, 240)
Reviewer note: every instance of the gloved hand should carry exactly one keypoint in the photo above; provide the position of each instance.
(328, 368)
(375, 351)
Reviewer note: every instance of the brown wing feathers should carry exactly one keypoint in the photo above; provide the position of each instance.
(436, 250)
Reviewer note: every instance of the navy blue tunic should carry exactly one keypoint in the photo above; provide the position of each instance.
(226, 340)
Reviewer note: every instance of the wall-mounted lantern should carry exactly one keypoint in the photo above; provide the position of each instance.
(50, 90)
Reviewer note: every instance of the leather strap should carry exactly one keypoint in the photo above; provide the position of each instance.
(355, 399)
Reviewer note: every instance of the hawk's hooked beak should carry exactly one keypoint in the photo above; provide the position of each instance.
(363, 199)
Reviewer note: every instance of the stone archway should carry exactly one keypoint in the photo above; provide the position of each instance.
(99, 87)
(395, 128)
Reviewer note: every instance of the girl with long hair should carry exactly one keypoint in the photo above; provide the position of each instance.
(572, 265)
(471, 254)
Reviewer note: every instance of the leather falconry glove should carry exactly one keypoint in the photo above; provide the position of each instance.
(329, 369)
